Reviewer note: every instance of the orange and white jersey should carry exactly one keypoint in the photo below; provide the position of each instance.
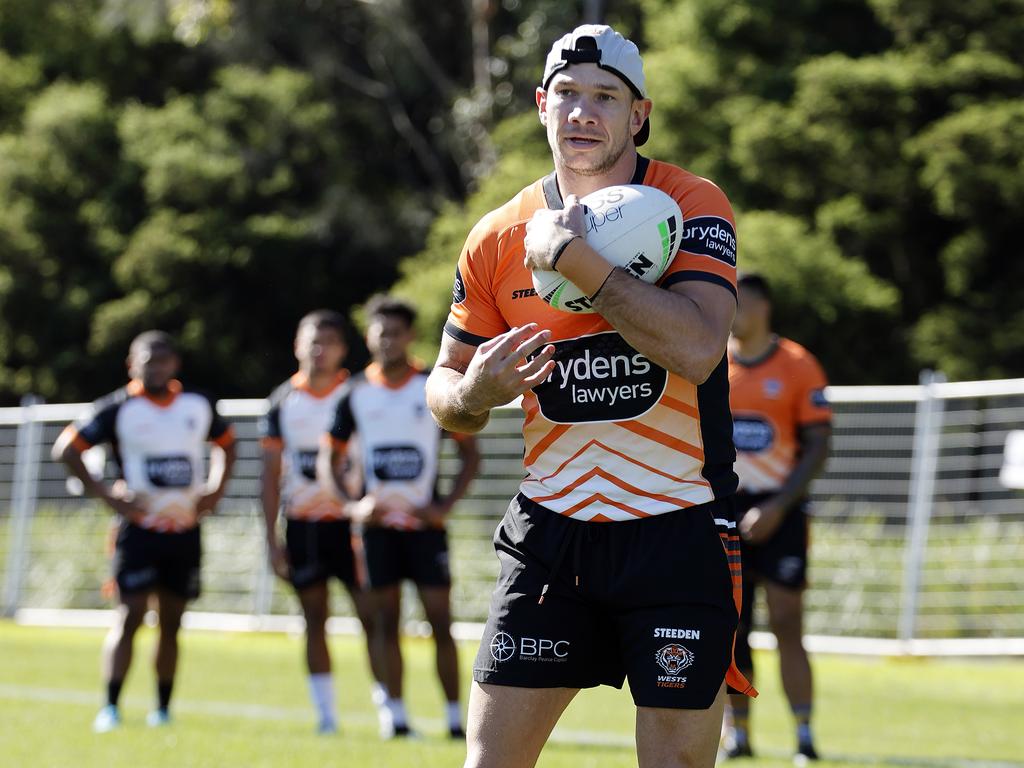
(295, 422)
(158, 444)
(772, 398)
(610, 435)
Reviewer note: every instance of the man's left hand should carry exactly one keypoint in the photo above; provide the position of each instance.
(207, 503)
(761, 522)
(549, 230)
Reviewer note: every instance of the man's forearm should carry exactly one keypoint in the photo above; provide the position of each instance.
(812, 459)
(444, 398)
(666, 327)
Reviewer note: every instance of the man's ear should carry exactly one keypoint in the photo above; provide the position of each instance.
(541, 97)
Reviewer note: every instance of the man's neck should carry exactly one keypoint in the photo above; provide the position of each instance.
(396, 371)
(572, 183)
(752, 347)
(319, 379)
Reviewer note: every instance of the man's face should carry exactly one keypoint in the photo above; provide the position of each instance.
(590, 116)
(319, 350)
(388, 339)
(153, 364)
(752, 314)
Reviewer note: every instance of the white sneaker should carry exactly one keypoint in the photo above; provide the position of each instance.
(107, 719)
(158, 718)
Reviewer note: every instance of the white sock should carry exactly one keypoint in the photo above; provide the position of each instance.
(321, 691)
(378, 694)
(396, 708)
(454, 713)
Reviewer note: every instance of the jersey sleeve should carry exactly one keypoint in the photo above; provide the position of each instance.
(220, 432)
(474, 316)
(707, 249)
(270, 423)
(811, 405)
(98, 427)
(343, 426)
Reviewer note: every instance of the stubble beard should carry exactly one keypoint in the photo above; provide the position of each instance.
(604, 165)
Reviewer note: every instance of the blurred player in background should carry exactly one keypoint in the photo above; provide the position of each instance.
(781, 428)
(157, 431)
(401, 516)
(318, 538)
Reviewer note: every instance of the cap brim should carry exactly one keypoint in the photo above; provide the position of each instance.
(643, 134)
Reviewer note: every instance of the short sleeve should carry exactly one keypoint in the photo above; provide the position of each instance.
(343, 426)
(220, 431)
(708, 246)
(100, 426)
(811, 406)
(474, 316)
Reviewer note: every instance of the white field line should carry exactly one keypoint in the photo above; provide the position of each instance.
(472, 631)
(42, 694)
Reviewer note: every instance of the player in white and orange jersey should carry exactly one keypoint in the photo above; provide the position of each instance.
(626, 423)
(157, 431)
(318, 535)
(402, 534)
(781, 427)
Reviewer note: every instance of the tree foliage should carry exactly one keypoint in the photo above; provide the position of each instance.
(873, 152)
(220, 167)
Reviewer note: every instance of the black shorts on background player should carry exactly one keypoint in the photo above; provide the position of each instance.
(783, 558)
(392, 555)
(145, 560)
(667, 625)
(319, 549)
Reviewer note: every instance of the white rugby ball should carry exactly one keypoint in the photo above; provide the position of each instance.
(632, 226)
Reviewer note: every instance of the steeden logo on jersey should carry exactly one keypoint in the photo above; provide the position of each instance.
(599, 378)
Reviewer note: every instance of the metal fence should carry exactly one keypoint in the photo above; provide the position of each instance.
(916, 546)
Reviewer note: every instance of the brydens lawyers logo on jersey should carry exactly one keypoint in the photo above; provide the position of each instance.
(673, 658)
(710, 236)
(458, 289)
(397, 462)
(599, 378)
(169, 471)
(752, 435)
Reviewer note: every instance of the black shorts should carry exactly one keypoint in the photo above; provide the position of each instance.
(145, 560)
(319, 549)
(649, 599)
(391, 555)
(783, 558)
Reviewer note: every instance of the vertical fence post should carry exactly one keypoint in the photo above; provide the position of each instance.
(927, 429)
(23, 502)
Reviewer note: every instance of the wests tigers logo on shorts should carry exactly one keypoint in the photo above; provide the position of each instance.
(674, 658)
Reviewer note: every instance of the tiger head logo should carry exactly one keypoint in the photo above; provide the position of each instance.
(674, 658)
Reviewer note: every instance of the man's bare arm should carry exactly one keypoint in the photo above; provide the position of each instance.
(467, 381)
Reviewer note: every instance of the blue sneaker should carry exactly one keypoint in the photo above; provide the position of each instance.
(158, 718)
(326, 727)
(107, 719)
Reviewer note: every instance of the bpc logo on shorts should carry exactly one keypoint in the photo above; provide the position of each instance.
(674, 658)
(503, 646)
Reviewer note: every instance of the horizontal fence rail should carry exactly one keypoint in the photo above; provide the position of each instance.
(916, 546)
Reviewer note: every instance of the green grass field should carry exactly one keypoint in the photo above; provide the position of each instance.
(241, 701)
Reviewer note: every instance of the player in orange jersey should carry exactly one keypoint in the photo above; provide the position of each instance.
(612, 557)
(157, 431)
(782, 425)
